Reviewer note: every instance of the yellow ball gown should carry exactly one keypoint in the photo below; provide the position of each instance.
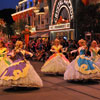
(4, 60)
(57, 63)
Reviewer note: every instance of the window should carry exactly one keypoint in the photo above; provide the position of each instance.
(29, 19)
(35, 23)
(36, 2)
(18, 9)
(30, 4)
(21, 6)
(47, 20)
(34, 14)
(25, 5)
(42, 22)
(39, 19)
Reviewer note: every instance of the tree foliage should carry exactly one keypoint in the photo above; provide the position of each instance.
(19, 26)
(6, 15)
(88, 19)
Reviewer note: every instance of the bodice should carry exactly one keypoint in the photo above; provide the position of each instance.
(2, 51)
(19, 55)
(81, 51)
(95, 51)
(57, 49)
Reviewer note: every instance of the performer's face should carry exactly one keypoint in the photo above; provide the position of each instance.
(21, 46)
(80, 44)
(94, 44)
(56, 43)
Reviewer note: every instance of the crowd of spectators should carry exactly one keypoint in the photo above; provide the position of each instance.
(41, 48)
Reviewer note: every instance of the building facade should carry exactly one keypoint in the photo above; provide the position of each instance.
(62, 19)
(34, 12)
(56, 17)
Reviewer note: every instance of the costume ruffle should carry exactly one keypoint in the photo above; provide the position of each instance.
(57, 63)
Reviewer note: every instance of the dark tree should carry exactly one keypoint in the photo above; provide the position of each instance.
(6, 15)
(88, 19)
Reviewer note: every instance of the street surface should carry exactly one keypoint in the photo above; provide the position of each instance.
(55, 88)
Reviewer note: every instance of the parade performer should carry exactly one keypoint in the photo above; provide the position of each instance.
(95, 56)
(20, 73)
(57, 63)
(4, 60)
(82, 67)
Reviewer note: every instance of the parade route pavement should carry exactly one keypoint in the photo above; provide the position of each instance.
(55, 88)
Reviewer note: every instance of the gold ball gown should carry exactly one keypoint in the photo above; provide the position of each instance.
(57, 63)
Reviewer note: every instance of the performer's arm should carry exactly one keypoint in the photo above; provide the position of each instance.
(91, 51)
(52, 49)
(12, 54)
(64, 49)
(74, 51)
(91, 54)
(29, 53)
(98, 50)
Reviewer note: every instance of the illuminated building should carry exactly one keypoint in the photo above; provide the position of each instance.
(35, 13)
(62, 18)
(56, 17)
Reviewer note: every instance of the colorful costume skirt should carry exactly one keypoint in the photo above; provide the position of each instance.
(81, 68)
(57, 63)
(4, 63)
(20, 73)
(96, 60)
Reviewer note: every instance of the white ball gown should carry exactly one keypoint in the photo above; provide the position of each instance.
(20, 73)
(95, 56)
(57, 63)
(82, 68)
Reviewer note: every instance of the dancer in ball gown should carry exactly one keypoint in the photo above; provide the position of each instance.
(20, 73)
(82, 67)
(95, 56)
(4, 60)
(57, 63)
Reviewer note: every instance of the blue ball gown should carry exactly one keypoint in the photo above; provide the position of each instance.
(82, 68)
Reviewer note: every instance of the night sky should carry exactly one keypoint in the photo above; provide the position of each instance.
(4, 4)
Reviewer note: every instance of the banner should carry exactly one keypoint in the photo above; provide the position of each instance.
(30, 13)
(15, 18)
(26, 34)
(39, 1)
(26, 39)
